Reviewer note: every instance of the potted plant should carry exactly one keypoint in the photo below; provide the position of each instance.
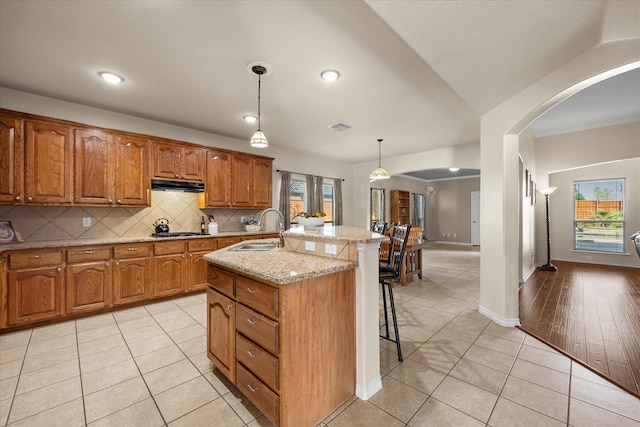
(310, 220)
(251, 223)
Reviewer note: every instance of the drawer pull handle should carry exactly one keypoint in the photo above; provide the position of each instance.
(252, 320)
(251, 291)
(229, 306)
(253, 390)
(89, 252)
(36, 257)
(251, 354)
(132, 249)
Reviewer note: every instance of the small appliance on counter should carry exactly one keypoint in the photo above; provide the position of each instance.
(213, 225)
(162, 225)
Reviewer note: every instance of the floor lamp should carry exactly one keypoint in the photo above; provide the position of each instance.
(546, 192)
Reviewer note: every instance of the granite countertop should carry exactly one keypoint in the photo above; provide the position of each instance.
(116, 240)
(339, 233)
(277, 265)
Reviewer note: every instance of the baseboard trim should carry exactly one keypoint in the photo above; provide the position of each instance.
(365, 392)
(508, 323)
(529, 273)
(452, 243)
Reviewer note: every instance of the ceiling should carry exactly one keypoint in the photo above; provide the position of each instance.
(418, 74)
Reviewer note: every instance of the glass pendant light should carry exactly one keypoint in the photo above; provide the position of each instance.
(259, 140)
(379, 172)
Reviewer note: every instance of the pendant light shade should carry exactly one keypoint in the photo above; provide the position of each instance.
(259, 140)
(379, 172)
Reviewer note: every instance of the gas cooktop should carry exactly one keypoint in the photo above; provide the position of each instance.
(176, 234)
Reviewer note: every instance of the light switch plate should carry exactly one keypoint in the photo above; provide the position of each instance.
(86, 221)
(309, 246)
(331, 249)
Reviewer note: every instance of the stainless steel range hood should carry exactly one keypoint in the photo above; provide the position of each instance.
(185, 187)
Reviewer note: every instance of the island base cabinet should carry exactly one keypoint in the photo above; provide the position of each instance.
(221, 328)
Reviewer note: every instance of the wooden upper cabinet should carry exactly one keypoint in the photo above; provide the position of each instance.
(11, 160)
(132, 182)
(48, 163)
(261, 183)
(176, 161)
(241, 173)
(111, 169)
(94, 173)
(218, 185)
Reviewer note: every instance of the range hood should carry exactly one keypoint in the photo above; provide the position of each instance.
(185, 187)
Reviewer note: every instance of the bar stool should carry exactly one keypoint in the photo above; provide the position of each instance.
(390, 270)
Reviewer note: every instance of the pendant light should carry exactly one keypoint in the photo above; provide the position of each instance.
(259, 140)
(379, 172)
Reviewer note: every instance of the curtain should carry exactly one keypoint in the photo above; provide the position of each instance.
(337, 194)
(319, 198)
(285, 198)
(311, 195)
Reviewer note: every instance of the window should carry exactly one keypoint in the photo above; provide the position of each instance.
(599, 215)
(377, 205)
(299, 199)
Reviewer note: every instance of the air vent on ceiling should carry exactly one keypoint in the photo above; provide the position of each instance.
(339, 127)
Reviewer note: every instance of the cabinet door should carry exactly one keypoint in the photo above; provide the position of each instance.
(48, 166)
(88, 287)
(196, 271)
(35, 295)
(166, 160)
(221, 338)
(192, 164)
(11, 160)
(168, 275)
(131, 280)
(218, 186)
(261, 183)
(241, 178)
(132, 181)
(93, 171)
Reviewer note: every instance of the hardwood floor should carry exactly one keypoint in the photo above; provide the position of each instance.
(591, 313)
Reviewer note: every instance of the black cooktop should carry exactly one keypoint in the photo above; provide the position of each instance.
(177, 234)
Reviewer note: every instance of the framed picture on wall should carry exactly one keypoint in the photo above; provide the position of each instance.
(527, 182)
(533, 193)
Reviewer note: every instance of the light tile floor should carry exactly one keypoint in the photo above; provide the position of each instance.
(147, 366)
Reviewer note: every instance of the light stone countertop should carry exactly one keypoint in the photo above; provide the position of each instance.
(277, 265)
(49, 244)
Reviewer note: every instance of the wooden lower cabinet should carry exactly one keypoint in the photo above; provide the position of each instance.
(132, 273)
(290, 349)
(35, 286)
(169, 268)
(196, 264)
(89, 280)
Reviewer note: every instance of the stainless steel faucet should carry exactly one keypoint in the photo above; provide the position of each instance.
(280, 223)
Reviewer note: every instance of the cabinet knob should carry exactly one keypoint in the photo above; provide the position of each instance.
(119, 201)
(110, 200)
(106, 264)
(229, 306)
(117, 263)
(253, 390)
(29, 199)
(59, 269)
(18, 198)
(177, 176)
(183, 256)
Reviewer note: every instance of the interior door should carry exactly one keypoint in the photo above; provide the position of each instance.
(475, 218)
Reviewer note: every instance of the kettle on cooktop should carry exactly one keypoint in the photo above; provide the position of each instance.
(162, 225)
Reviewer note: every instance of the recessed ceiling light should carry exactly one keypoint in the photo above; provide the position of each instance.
(454, 169)
(110, 77)
(330, 75)
(250, 119)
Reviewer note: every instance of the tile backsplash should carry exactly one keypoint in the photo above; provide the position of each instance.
(38, 223)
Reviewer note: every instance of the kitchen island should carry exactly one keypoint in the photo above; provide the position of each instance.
(283, 323)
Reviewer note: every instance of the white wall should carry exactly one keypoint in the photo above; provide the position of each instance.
(284, 159)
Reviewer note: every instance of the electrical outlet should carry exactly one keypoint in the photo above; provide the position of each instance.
(86, 221)
(454, 234)
(330, 249)
(309, 246)
(443, 234)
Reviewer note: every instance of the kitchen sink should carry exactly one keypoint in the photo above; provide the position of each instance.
(255, 247)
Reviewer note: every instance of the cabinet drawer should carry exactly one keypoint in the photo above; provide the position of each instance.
(261, 363)
(168, 248)
(132, 251)
(223, 242)
(259, 394)
(261, 330)
(258, 296)
(221, 280)
(35, 259)
(202, 245)
(79, 255)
